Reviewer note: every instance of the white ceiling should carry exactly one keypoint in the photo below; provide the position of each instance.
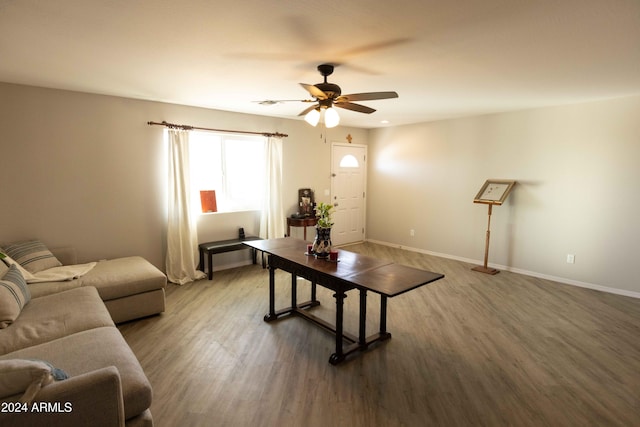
(445, 58)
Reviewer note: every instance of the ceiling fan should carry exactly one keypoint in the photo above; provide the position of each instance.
(329, 95)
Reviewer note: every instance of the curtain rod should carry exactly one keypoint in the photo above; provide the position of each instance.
(188, 127)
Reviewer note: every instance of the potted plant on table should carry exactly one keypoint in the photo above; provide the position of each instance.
(322, 242)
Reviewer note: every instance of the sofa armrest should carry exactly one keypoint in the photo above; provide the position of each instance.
(66, 255)
(94, 398)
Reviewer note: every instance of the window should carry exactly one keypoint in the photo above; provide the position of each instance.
(349, 161)
(232, 165)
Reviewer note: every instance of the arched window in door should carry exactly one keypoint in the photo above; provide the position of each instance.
(349, 161)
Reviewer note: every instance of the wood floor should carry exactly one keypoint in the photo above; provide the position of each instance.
(469, 350)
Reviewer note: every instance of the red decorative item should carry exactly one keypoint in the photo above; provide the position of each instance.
(208, 201)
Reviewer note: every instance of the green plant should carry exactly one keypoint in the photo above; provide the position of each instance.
(323, 213)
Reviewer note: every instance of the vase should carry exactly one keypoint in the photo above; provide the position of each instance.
(322, 242)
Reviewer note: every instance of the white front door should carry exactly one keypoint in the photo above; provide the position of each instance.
(348, 180)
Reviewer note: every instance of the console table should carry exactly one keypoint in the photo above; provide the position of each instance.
(353, 271)
(301, 222)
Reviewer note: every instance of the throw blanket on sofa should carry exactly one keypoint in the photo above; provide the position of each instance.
(53, 274)
(62, 273)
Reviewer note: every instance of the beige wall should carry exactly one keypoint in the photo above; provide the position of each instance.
(577, 193)
(87, 171)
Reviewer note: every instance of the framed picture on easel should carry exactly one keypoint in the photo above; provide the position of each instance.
(494, 191)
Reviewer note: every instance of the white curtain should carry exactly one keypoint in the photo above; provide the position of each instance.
(182, 239)
(272, 218)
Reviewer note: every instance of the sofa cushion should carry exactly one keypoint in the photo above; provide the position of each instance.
(114, 279)
(121, 277)
(42, 289)
(26, 377)
(54, 316)
(94, 349)
(33, 255)
(14, 295)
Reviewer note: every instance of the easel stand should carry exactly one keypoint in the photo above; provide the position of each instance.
(485, 268)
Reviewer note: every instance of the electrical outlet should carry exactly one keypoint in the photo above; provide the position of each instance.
(571, 259)
(412, 232)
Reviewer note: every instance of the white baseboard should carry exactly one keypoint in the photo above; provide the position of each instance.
(234, 265)
(516, 270)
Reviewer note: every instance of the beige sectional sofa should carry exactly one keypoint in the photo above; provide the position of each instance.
(130, 287)
(71, 326)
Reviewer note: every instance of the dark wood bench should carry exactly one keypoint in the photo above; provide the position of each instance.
(211, 248)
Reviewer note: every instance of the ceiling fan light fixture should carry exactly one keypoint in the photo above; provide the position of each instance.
(331, 117)
(312, 117)
(327, 95)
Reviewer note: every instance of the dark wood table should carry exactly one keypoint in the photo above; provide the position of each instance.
(352, 271)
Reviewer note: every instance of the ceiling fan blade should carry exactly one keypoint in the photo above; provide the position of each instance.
(354, 107)
(369, 96)
(279, 101)
(314, 91)
(384, 44)
(313, 107)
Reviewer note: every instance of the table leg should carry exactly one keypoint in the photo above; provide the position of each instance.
(338, 356)
(304, 227)
(272, 296)
(201, 260)
(294, 291)
(313, 291)
(362, 338)
(383, 318)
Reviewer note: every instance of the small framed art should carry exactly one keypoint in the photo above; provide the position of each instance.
(494, 191)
